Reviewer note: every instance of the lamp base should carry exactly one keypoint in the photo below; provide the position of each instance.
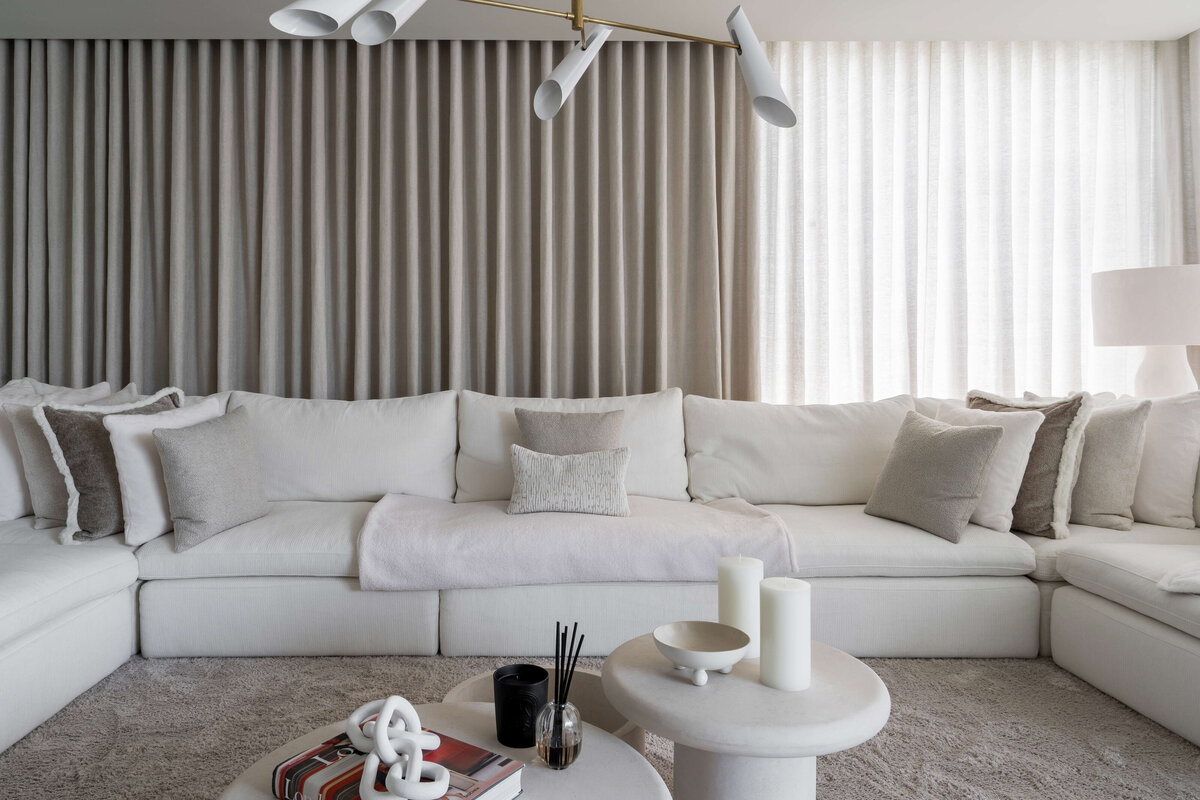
(1165, 371)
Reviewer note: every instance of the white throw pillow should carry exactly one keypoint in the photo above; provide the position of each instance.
(15, 501)
(815, 455)
(1182, 580)
(1008, 464)
(341, 450)
(653, 432)
(139, 469)
(1166, 484)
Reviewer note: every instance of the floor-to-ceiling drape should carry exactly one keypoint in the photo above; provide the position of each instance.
(935, 219)
(322, 219)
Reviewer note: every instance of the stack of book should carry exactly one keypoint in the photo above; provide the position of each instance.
(332, 770)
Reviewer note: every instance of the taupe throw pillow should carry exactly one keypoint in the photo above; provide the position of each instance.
(1108, 470)
(213, 477)
(84, 457)
(560, 433)
(1043, 506)
(588, 483)
(935, 475)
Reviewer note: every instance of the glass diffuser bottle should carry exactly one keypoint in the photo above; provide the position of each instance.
(559, 734)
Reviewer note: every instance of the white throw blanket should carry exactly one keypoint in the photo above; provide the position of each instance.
(418, 543)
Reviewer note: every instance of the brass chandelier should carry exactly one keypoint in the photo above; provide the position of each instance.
(378, 21)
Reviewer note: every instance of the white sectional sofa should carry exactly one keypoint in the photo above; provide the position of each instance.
(287, 584)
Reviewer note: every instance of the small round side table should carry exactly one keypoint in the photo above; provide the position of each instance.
(734, 737)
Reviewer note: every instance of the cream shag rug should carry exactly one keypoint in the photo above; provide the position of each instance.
(184, 728)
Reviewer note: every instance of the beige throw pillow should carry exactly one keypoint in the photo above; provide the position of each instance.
(935, 475)
(1043, 506)
(565, 433)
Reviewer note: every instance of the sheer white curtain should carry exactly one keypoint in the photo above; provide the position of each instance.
(932, 223)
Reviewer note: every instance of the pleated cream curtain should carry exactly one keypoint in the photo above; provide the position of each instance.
(320, 219)
(937, 216)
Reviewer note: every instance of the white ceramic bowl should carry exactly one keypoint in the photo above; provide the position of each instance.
(701, 646)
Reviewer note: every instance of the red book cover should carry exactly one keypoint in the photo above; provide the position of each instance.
(332, 770)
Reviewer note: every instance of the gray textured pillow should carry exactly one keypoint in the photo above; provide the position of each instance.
(47, 487)
(1043, 506)
(213, 478)
(1108, 469)
(588, 483)
(560, 433)
(935, 475)
(84, 458)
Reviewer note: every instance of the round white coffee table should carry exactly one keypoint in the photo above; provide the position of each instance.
(734, 737)
(606, 767)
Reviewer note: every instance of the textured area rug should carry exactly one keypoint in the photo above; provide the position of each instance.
(184, 728)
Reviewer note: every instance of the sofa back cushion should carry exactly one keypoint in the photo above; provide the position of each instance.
(339, 450)
(808, 455)
(652, 430)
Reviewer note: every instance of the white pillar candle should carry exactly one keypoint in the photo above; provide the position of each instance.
(786, 634)
(737, 596)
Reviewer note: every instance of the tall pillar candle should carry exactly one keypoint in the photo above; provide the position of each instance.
(786, 634)
(737, 596)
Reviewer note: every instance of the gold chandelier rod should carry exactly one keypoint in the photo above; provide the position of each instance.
(577, 19)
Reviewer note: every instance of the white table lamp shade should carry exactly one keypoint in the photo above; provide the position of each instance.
(1154, 307)
(1149, 306)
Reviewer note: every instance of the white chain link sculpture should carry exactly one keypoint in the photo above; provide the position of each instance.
(395, 738)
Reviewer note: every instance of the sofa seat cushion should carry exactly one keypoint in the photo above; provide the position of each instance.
(296, 537)
(22, 531)
(1128, 574)
(842, 541)
(1048, 550)
(39, 583)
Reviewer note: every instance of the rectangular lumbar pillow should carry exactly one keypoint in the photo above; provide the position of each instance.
(565, 433)
(213, 477)
(935, 475)
(588, 483)
(139, 469)
(815, 455)
(84, 456)
(1108, 469)
(652, 430)
(47, 487)
(1043, 506)
(1008, 465)
(354, 450)
(15, 501)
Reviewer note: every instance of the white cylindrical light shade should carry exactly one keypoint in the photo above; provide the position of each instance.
(315, 17)
(382, 19)
(786, 641)
(557, 87)
(767, 95)
(738, 578)
(1149, 306)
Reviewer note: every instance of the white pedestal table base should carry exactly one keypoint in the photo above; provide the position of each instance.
(701, 775)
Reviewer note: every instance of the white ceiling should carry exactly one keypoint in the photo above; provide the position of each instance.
(773, 20)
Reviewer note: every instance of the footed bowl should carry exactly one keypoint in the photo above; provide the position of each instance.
(701, 646)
